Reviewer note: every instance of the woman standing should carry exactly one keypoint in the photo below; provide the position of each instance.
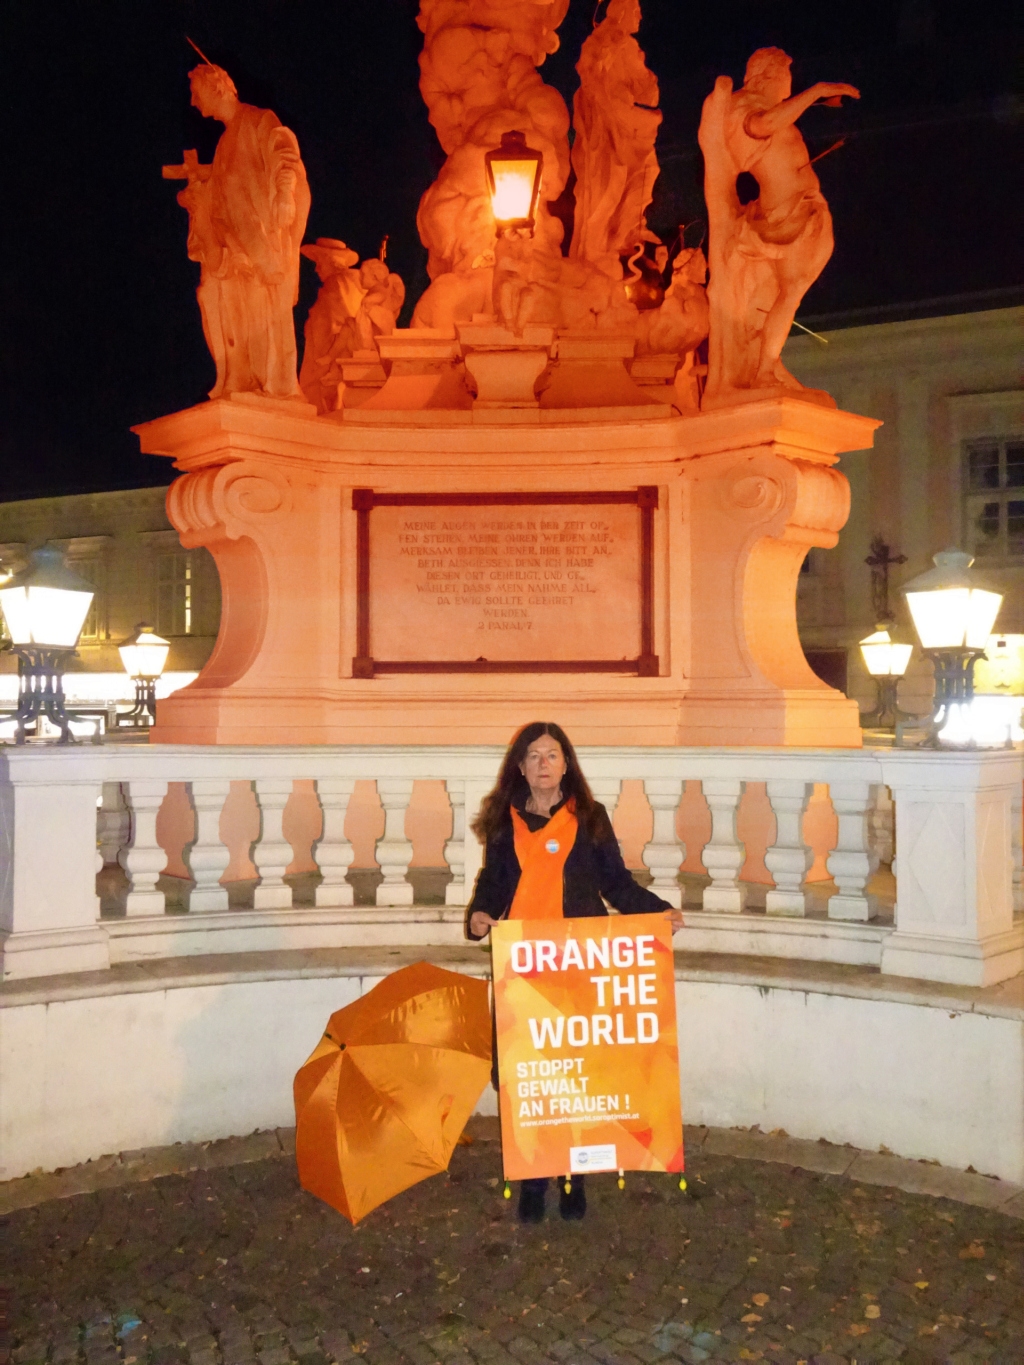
(550, 853)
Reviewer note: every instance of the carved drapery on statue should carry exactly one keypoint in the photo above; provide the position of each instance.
(354, 307)
(616, 119)
(478, 76)
(247, 215)
(764, 255)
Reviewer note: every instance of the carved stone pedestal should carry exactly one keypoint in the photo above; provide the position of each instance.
(424, 578)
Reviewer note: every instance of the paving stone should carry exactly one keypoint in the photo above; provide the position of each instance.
(225, 1259)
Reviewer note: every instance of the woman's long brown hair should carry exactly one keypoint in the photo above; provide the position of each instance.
(513, 789)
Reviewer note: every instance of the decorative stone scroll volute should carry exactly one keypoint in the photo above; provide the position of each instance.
(732, 500)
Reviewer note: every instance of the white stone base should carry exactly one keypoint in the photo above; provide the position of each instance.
(151, 1053)
(42, 952)
(963, 964)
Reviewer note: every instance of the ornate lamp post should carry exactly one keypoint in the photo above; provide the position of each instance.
(144, 655)
(513, 182)
(44, 609)
(887, 662)
(953, 616)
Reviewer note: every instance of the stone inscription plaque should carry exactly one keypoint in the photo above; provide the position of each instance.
(498, 586)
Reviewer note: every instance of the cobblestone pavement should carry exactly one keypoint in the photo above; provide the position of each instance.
(238, 1266)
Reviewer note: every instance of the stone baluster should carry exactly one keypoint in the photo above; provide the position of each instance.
(882, 825)
(333, 852)
(853, 860)
(607, 790)
(394, 851)
(723, 854)
(789, 859)
(665, 852)
(272, 852)
(142, 858)
(208, 858)
(455, 848)
(1016, 837)
(113, 824)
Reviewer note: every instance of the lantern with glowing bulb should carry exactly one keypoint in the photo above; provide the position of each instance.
(144, 655)
(953, 614)
(513, 182)
(886, 661)
(44, 609)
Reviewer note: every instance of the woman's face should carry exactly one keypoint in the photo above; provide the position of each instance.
(544, 765)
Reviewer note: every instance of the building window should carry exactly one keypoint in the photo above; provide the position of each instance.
(175, 593)
(91, 569)
(994, 502)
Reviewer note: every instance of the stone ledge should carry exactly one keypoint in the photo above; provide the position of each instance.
(825, 1158)
(1005, 1000)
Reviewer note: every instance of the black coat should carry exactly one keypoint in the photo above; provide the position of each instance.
(593, 869)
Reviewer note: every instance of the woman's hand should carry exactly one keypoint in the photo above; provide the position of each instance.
(480, 923)
(676, 918)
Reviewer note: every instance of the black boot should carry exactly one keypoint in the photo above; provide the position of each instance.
(573, 1206)
(531, 1201)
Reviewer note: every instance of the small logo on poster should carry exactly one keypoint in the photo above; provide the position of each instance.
(599, 1157)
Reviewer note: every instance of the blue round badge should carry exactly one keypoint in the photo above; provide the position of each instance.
(552, 845)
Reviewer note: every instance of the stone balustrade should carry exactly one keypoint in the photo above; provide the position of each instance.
(252, 843)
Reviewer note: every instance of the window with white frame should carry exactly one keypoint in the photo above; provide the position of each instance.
(175, 593)
(993, 483)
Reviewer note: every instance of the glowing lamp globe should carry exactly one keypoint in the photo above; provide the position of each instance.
(883, 657)
(513, 182)
(949, 608)
(44, 610)
(45, 607)
(953, 616)
(144, 654)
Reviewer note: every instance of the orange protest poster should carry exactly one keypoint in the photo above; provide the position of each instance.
(588, 1060)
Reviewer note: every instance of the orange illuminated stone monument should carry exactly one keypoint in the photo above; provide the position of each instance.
(537, 513)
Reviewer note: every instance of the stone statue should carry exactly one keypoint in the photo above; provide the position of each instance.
(479, 78)
(764, 255)
(616, 119)
(353, 308)
(247, 216)
(680, 324)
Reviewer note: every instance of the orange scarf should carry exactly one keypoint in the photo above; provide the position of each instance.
(541, 854)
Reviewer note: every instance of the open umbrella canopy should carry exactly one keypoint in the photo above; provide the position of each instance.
(383, 1098)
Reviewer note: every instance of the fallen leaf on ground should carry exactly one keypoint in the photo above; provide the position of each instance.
(760, 1299)
(975, 1252)
(872, 1311)
(857, 1329)
(920, 1284)
(750, 1317)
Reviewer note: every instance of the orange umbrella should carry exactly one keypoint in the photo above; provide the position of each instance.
(385, 1095)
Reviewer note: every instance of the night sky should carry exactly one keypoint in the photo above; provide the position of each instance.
(100, 324)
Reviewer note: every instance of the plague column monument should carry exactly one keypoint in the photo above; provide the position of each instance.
(539, 499)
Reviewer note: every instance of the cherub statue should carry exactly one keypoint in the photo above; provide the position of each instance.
(616, 119)
(247, 215)
(764, 255)
(680, 324)
(353, 308)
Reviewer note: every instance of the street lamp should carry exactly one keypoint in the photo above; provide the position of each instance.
(513, 182)
(953, 616)
(143, 655)
(887, 662)
(44, 609)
